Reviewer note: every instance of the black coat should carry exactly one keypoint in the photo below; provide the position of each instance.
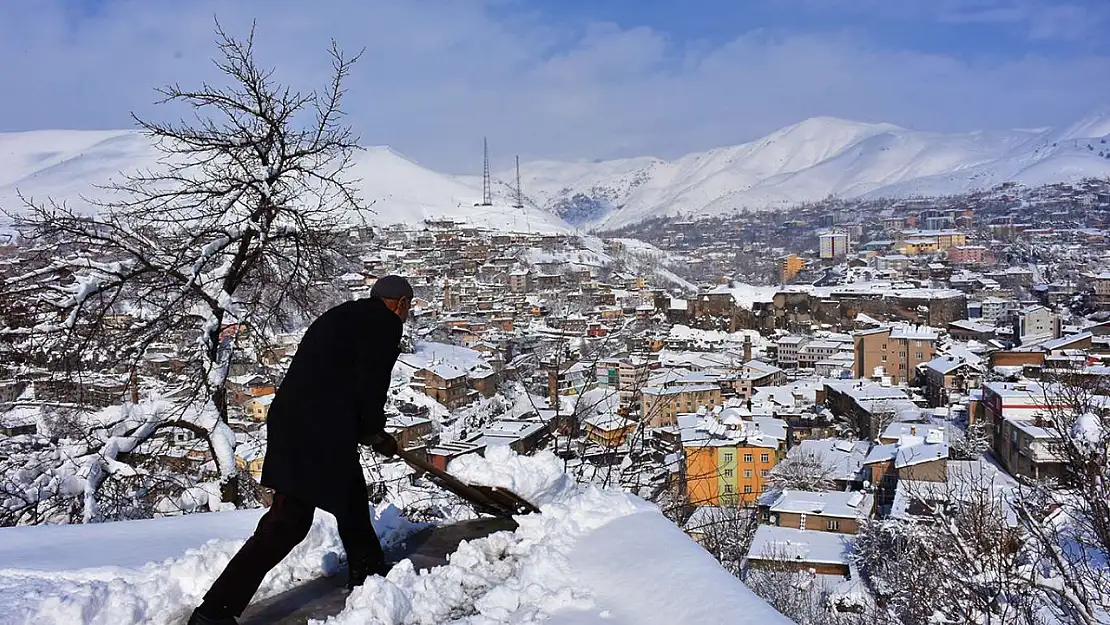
(333, 394)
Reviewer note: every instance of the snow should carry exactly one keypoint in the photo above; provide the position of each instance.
(147, 571)
(592, 555)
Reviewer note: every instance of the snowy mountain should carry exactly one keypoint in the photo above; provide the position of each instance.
(68, 165)
(808, 161)
(812, 160)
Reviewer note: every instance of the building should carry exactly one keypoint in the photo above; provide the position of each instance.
(627, 375)
(947, 376)
(1102, 290)
(660, 406)
(609, 430)
(446, 384)
(1036, 322)
(819, 511)
(520, 281)
(823, 553)
(409, 431)
(967, 255)
(893, 352)
(833, 245)
(258, 408)
(788, 348)
(572, 379)
(1019, 418)
(728, 459)
(792, 265)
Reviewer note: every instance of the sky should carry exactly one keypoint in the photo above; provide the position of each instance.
(576, 79)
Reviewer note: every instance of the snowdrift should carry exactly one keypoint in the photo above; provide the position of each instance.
(592, 556)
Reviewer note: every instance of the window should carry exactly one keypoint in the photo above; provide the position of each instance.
(727, 457)
(764, 473)
(748, 488)
(884, 357)
(884, 345)
(748, 473)
(727, 472)
(728, 488)
(765, 458)
(747, 457)
(833, 525)
(920, 356)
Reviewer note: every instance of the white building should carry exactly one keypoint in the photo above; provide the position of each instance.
(833, 244)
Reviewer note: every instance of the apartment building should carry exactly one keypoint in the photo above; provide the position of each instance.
(893, 351)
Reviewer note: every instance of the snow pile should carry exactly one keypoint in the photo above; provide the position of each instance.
(149, 571)
(592, 556)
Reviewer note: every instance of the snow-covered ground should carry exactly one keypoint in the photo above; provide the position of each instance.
(592, 556)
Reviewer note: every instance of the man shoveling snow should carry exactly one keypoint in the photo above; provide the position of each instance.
(332, 399)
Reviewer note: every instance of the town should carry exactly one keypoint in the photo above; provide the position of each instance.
(797, 374)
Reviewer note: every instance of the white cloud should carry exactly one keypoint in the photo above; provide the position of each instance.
(437, 76)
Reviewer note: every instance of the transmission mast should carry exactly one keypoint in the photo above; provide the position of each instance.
(519, 194)
(487, 191)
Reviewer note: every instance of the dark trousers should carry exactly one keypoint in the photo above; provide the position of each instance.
(283, 527)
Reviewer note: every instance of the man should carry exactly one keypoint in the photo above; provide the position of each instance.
(333, 398)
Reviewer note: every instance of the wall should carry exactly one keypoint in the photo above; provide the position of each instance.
(817, 522)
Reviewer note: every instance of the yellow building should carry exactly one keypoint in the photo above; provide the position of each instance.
(729, 462)
(792, 265)
(249, 457)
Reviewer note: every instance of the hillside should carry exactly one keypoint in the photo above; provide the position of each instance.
(68, 165)
(812, 160)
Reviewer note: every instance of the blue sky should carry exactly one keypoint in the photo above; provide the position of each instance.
(587, 79)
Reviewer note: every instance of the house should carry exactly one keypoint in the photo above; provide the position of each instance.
(446, 384)
(483, 380)
(946, 376)
(258, 408)
(249, 457)
(442, 454)
(865, 404)
(409, 431)
(825, 553)
(521, 435)
(788, 349)
(568, 379)
(821, 511)
(609, 430)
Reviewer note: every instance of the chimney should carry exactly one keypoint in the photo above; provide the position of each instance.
(747, 348)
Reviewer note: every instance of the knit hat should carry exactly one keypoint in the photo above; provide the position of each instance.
(391, 287)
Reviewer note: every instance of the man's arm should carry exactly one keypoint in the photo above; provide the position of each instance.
(377, 354)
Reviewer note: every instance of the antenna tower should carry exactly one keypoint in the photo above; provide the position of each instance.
(487, 192)
(519, 195)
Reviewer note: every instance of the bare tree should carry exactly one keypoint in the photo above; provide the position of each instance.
(231, 236)
(805, 470)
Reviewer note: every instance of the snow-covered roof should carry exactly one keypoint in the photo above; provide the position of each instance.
(792, 544)
(848, 505)
(609, 422)
(845, 458)
(909, 455)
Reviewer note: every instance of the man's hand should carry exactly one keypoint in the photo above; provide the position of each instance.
(381, 442)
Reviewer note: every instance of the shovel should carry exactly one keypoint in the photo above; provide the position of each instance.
(493, 500)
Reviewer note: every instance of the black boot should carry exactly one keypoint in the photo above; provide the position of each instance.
(357, 574)
(208, 615)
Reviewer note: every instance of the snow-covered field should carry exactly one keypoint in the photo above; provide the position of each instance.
(592, 556)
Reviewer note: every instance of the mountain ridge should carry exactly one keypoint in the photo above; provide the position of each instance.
(811, 160)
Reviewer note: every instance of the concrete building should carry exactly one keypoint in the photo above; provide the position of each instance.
(893, 351)
(833, 245)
